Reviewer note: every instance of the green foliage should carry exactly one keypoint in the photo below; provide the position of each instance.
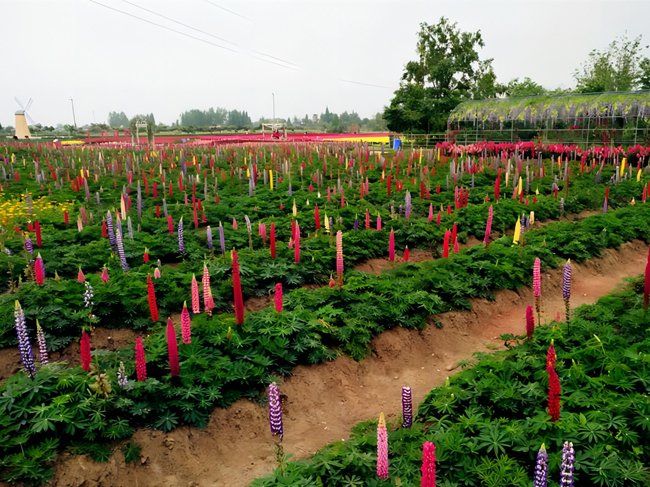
(131, 452)
(489, 421)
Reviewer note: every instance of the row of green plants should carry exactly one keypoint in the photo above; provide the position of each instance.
(489, 421)
(69, 407)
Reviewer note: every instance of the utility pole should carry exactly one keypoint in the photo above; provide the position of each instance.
(74, 119)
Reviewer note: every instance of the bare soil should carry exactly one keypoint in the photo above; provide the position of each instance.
(322, 402)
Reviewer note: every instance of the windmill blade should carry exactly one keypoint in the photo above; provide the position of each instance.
(29, 119)
(29, 104)
(19, 103)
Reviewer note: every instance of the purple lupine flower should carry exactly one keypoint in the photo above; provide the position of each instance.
(111, 231)
(605, 208)
(120, 251)
(209, 234)
(87, 190)
(561, 205)
(25, 347)
(541, 469)
(181, 243)
(356, 223)
(290, 191)
(42, 347)
(566, 280)
(275, 410)
(139, 200)
(407, 408)
(408, 205)
(29, 246)
(121, 376)
(566, 469)
(222, 240)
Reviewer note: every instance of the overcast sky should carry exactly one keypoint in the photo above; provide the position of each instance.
(106, 60)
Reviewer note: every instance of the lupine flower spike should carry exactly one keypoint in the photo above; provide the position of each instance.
(541, 469)
(24, 345)
(186, 324)
(208, 302)
(530, 322)
(537, 289)
(105, 275)
(196, 306)
(85, 351)
(339, 257)
(140, 361)
(278, 297)
(39, 270)
(181, 242)
(236, 280)
(554, 389)
(428, 464)
(275, 410)
(566, 292)
(567, 467)
(42, 347)
(382, 448)
(151, 294)
(122, 379)
(407, 408)
(172, 348)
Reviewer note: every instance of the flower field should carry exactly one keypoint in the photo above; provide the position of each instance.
(175, 243)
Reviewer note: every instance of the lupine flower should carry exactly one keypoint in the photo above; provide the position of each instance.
(29, 246)
(278, 297)
(186, 324)
(339, 255)
(605, 208)
(332, 282)
(445, 248)
(428, 464)
(382, 448)
(537, 286)
(407, 200)
(488, 229)
(37, 228)
(156, 272)
(567, 466)
(541, 469)
(105, 275)
(430, 212)
(151, 294)
(378, 222)
(145, 256)
(140, 361)
(222, 240)
(406, 254)
(24, 345)
(120, 251)
(646, 287)
(561, 205)
(550, 357)
(208, 303)
(196, 306)
(42, 347)
(273, 240)
(236, 280)
(317, 216)
(111, 231)
(172, 348)
(209, 235)
(85, 351)
(39, 270)
(356, 223)
(530, 322)
(566, 289)
(297, 244)
(80, 276)
(181, 242)
(391, 246)
(88, 295)
(407, 408)
(275, 410)
(122, 379)
(554, 391)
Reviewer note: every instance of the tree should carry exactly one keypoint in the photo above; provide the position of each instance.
(118, 120)
(620, 67)
(527, 87)
(644, 79)
(447, 72)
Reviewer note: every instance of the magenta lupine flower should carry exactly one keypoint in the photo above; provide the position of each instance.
(391, 246)
(430, 212)
(278, 297)
(428, 464)
(339, 254)
(42, 347)
(407, 408)
(275, 410)
(156, 273)
(104, 275)
(488, 229)
(537, 278)
(382, 448)
(541, 469)
(567, 467)
(196, 306)
(25, 347)
(186, 324)
(566, 280)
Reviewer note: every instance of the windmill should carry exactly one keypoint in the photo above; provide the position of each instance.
(22, 130)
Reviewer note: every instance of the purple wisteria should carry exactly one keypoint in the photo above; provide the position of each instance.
(25, 347)
(541, 469)
(42, 347)
(407, 408)
(566, 469)
(275, 410)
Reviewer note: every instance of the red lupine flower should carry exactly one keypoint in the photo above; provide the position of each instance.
(153, 306)
(445, 248)
(428, 465)
(317, 217)
(105, 275)
(208, 303)
(186, 325)
(145, 257)
(39, 270)
(332, 282)
(273, 240)
(80, 276)
(278, 297)
(550, 357)
(239, 300)
(530, 322)
(172, 348)
(140, 361)
(104, 231)
(554, 391)
(85, 351)
(406, 254)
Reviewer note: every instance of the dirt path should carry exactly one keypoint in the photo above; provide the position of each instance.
(322, 402)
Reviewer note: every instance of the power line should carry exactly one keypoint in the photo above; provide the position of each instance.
(230, 11)
(365, 84)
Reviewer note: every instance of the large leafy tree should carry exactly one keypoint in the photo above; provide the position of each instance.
(619, 67)
(447, 72)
